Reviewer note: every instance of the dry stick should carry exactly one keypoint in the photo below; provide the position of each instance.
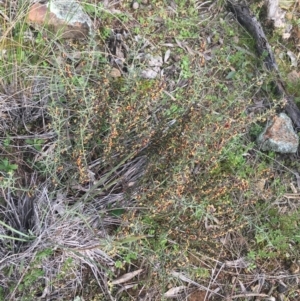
(263, 48)
(219, 271)
(249, 295)
(4, 16)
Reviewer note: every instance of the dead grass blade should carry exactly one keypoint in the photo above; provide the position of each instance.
(190, 281)
(126, 277)
(175, 291)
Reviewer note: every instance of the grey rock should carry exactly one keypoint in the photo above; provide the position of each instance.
(150, 73)
(154, 64)
(155, 61)
(135, 5)
(279, 136)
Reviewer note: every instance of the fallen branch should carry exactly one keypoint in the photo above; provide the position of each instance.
(263, 48)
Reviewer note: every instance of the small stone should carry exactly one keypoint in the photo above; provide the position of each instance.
(294, 268)
(135, 5)
(150, 73)
(155, 61)
(144, 1)
(176, 58)
(279, 136)
(115, 73)
(281, 288)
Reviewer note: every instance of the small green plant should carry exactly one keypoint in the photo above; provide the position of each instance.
(185, 67)
(91, 9)
(119, 264)
(127, 258)
(105, 32)
(255, 130)
(6, 166)
(276, 236)
(251, 257)
(31, 282)
(7, 142)
(36, 143)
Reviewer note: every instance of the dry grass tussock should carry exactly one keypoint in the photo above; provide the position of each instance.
(63, 240)
(20, 106)
(56, 233)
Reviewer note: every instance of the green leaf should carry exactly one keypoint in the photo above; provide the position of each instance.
(118, 264)
(117, 212)
(14, 230)
(231, 75)
(13, 166)
(13, 238)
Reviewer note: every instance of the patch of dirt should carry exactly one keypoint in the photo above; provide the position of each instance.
(198, 296)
